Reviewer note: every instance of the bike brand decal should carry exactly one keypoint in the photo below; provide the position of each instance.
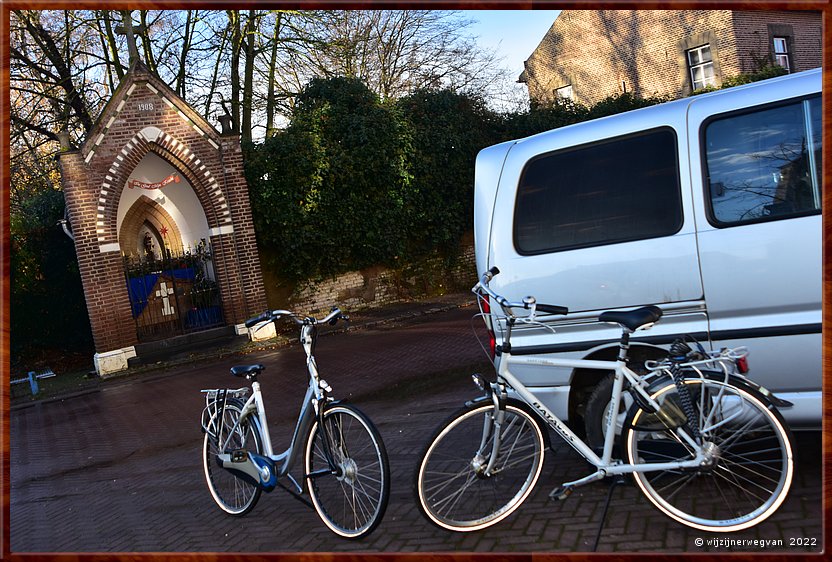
(553, 422)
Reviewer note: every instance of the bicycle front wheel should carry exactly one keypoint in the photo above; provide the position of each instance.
(233, 495)
(749, 460)
(453, 488)
(350, 496)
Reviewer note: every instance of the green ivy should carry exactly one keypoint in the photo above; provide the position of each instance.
(328, 193)
(355, 182)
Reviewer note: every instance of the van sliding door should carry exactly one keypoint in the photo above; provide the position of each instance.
(594, 218)
(760, 234)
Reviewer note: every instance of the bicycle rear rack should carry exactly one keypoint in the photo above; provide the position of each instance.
(215, 399)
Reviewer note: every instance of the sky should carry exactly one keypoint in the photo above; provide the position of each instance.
(514, 33)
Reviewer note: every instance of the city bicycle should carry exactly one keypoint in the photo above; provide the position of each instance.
(345, 466)
(706, 445)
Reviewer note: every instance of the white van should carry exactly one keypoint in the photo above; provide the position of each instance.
(708, 206)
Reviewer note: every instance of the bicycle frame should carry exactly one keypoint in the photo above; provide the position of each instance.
(310, 411)
(606, 465)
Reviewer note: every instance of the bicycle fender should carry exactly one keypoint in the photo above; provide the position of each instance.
(477, 401)
(744, 382)
(736, 380)
(740, 381)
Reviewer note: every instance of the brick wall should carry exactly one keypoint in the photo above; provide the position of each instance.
(145, 116)
(606, 52)
(377, 287)
(755, 32)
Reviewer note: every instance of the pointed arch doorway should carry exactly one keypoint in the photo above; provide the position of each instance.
(171, 283)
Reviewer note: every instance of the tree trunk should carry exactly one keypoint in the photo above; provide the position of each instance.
(248, 77)
(144, 33)
(270, 95)
(183, 58)
(236, 46)
(213, 88)
(111, 48)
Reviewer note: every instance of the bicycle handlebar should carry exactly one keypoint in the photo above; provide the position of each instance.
(529, 303)
(270, 316)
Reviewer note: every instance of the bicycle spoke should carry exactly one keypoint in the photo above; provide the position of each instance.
(454, 490)
(749, 469)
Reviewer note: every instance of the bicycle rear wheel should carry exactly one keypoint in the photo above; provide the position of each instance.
(751, 455)
(352, 501)
(452, 488)
(233, 495)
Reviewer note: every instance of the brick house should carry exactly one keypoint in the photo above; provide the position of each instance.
(588, 55)
(155, 181)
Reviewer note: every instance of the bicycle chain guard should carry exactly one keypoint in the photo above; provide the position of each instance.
(251, 467)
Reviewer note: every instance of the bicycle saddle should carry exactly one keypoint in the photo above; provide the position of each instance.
(640, 318)
(247, 370)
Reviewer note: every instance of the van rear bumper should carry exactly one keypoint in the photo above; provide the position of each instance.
(806, 412)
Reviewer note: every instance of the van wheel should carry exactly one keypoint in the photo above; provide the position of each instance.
(595, 417)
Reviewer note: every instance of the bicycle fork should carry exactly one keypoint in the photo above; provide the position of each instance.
(492, 427)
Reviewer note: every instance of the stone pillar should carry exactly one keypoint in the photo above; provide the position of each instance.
(243, 240)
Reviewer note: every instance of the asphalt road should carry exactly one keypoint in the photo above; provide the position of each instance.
(119, 469)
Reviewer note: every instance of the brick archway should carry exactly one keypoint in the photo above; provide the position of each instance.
(151, 139)
(146, 209)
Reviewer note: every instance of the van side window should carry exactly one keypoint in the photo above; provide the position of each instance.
(616, 190)
(764, 165)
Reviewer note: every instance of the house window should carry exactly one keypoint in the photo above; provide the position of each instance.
(701, 65)
(564, 92)
(781, 52)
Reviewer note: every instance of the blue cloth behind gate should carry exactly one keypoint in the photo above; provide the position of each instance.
(140, 288)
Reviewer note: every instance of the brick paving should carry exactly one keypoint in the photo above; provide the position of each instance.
(119, 470)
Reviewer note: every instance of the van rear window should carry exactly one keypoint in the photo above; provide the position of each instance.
(764, 164)
(618, 190)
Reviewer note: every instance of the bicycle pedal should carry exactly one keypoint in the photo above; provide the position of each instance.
(560, 493)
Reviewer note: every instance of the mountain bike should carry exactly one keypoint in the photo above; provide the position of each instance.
(706, 445)
(345, 466)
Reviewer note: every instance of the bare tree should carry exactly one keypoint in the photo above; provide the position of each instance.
(396, 51)
(66, 64)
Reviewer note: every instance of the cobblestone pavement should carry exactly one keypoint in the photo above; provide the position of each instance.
(119, 469)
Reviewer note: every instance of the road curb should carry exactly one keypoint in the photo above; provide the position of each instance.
(156, 370)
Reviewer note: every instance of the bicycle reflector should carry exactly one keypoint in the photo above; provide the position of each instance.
(742, 365)
(489, 322)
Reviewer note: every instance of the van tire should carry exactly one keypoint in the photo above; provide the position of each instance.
(596, 408)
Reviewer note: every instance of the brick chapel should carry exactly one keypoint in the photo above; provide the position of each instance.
(160, 215)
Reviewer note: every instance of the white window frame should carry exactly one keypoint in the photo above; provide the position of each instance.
(565, 93)
(781, 56)
(703, 65)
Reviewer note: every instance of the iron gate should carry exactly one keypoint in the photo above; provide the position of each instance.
(173, 295)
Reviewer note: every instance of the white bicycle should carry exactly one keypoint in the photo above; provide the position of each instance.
(346, 470)
(705, 444)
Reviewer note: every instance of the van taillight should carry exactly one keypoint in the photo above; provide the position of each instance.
(742, 365)
(492, 339)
